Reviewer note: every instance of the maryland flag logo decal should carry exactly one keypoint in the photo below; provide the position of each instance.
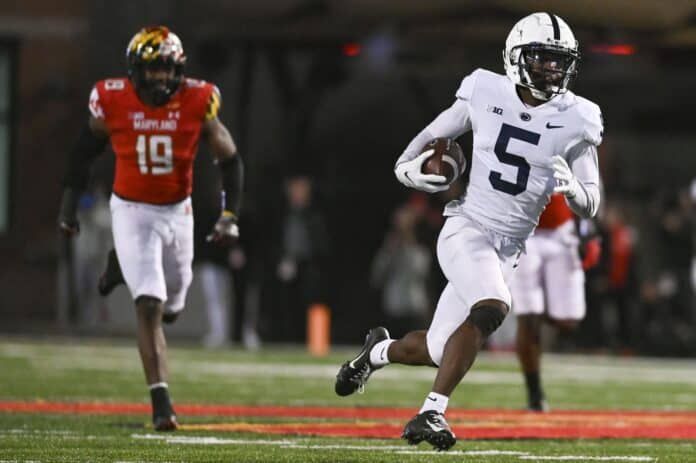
(152, 43)
(213, 107)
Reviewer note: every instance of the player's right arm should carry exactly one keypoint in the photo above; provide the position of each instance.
(90, 144)
(451, 123)
(223, 147)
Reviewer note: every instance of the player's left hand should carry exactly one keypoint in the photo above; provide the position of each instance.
(226, 230)
(566, 183)
(67, 216)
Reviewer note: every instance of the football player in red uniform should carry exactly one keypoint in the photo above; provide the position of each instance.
(154, 119)
(549, 286)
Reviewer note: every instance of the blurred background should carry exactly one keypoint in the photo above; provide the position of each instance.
(321, 97)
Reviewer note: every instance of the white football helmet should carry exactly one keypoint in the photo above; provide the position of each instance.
(541, 53)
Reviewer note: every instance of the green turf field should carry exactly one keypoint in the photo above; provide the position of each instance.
(74, 370)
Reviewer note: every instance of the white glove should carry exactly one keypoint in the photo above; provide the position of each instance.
(226, 230)
(566, 182)
(409, 173)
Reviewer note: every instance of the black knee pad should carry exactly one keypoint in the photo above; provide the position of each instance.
(486, 318)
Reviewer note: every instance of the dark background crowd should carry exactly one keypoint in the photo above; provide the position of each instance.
(321, 97)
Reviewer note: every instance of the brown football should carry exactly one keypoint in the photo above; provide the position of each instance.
(448, 159)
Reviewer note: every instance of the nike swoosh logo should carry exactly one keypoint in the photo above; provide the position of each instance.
(430, 398)
(435, 427)
(352, 362)
(549, 126)
(408, 177)
(381, 354)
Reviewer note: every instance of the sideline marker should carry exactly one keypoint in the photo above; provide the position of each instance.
(318, 329)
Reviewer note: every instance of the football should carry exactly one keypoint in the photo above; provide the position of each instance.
(448, 159)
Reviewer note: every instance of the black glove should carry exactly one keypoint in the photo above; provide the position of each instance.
(67, 217)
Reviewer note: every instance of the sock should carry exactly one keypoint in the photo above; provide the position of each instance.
(435, 401)
(533, 381)
(378, 354)
(159, 395)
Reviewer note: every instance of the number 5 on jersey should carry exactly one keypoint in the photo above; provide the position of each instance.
(155, 154)
(507, 133)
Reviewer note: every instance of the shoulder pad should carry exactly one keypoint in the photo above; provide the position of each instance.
(101, 96)
(466, 88)
(214, 103)
(194, 83)
(593, 123)
(95, 103)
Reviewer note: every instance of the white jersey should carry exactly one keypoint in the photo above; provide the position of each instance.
(511, 178)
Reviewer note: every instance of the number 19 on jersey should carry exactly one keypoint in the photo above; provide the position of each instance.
(155, 154)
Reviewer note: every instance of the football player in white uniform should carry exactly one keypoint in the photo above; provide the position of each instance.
(531, 137)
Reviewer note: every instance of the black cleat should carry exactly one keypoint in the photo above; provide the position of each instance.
(112, 276)
(163, 416)
(538, 405)
(165, 423)
(429, 426)
(170, 318)
(354, 374)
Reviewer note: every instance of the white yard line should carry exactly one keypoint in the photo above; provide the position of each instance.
(400, 449)
(300, 445)
(211, 440)
(585, 458)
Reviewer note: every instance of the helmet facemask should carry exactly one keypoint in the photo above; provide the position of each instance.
(158, 79)
(547, 70)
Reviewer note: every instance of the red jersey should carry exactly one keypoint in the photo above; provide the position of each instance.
(557, 213)
(154, 146)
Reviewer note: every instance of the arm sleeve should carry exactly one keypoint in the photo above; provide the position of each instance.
(584, 164)
(451, 123)
(232, 173)
(80, 159)
(87, 147)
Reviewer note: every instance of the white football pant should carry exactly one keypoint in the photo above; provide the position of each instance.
(154, 245)
(477, 263)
